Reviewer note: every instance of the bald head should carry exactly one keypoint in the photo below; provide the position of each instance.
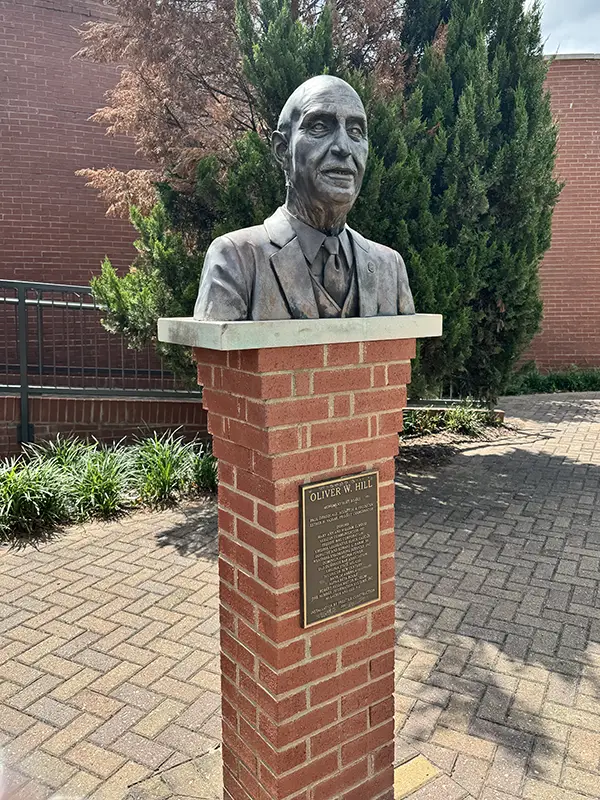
(312, 89)
(321, 144)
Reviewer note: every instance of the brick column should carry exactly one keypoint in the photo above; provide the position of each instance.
(308, 714)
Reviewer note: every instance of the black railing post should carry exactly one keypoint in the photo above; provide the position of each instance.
(25, 433)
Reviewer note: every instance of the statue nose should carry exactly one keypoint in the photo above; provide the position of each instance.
(341, 145)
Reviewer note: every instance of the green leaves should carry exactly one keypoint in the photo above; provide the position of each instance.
(459, 180)
(69, 480)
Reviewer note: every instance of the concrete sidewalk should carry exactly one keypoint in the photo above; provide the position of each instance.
(109, 635)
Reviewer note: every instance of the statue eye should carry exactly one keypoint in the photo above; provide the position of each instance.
(318, 127)
(355, 131)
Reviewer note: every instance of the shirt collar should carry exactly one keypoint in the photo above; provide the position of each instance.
(311, 240)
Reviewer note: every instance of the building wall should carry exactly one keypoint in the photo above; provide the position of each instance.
(53, 227)
(104, 418)
(570, 273)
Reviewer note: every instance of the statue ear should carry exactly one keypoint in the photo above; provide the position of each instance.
(279, 145)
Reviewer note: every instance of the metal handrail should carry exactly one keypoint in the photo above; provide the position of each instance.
(50, 339)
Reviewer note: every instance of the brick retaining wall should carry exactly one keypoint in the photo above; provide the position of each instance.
(105, 418)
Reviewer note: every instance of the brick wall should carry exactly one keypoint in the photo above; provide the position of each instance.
(308, 713)
(54, 228)
(107, 419)
(570, 273)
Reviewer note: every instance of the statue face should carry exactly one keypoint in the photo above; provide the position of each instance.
(328, 147)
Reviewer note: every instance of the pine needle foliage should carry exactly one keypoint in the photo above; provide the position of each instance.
(459, 178)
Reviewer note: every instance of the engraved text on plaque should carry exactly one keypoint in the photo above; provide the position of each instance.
(340, 546)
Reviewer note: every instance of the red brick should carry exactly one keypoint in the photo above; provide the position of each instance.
(232, 598)
(380, 712)
(334, 431)
(233, 453)
(266, 490)
(277, 603)
(382, 618)
(325, 740)
(248, 384)
(304, 674)
(276, 657)
(299, 728)
(276, 547)
(372, 646)
(307, 775)
(380, 787)
(368, 742)
(277, 760)
(302, 382)
(294, 464)
(381, 665)
(335, 686)
(279, 709)
(239, 653)
(238, 503)
(340, 354)
(367, 695)
(279, 576)
(237, 745)
(239, 701)
(341, 380)
(287, 412)
(236, 554)
(390, 422)
(282, 359)
(379, 400)
(344, 779)
(398, 374)
(392, 350)
(338, 634)
(341, 405)
(223, 404)
(280, 520)
(217, 358)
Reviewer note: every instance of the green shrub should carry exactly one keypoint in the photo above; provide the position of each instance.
(466, 418)
(103, 482)
(64, 451)
(33, 497)
(420, 422)
(528, 380)
(204, 472)
(164, 468)
(68, 480)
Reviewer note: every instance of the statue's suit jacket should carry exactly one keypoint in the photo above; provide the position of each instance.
(261, 273)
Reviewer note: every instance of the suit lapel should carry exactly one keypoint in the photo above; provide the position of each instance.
(366, 276)
(291, 269)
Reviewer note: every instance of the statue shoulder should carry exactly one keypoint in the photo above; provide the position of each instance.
(376, 250)
(240, 239)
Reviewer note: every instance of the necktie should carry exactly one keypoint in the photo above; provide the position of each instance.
(334, 279)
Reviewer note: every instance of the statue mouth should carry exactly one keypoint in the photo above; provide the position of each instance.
(339, 173)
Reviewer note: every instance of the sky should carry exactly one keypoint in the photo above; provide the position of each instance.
(571, 26)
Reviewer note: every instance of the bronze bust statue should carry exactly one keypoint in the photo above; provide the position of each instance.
(304, 262)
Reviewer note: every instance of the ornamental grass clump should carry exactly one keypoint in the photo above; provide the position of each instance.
(204, 472)
(163, 467)
(34, 497)
(69, 480)
(103, 482)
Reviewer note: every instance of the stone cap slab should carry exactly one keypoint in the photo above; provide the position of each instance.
(251, 335)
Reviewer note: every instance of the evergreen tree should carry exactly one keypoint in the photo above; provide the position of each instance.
(459, 179)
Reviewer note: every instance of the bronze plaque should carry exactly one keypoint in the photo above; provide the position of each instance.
(340, 546)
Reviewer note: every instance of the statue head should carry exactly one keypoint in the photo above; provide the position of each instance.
(321, 144)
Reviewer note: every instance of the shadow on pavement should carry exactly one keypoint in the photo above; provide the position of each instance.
(498, 612)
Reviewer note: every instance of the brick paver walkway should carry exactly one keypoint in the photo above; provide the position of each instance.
(108, 636)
